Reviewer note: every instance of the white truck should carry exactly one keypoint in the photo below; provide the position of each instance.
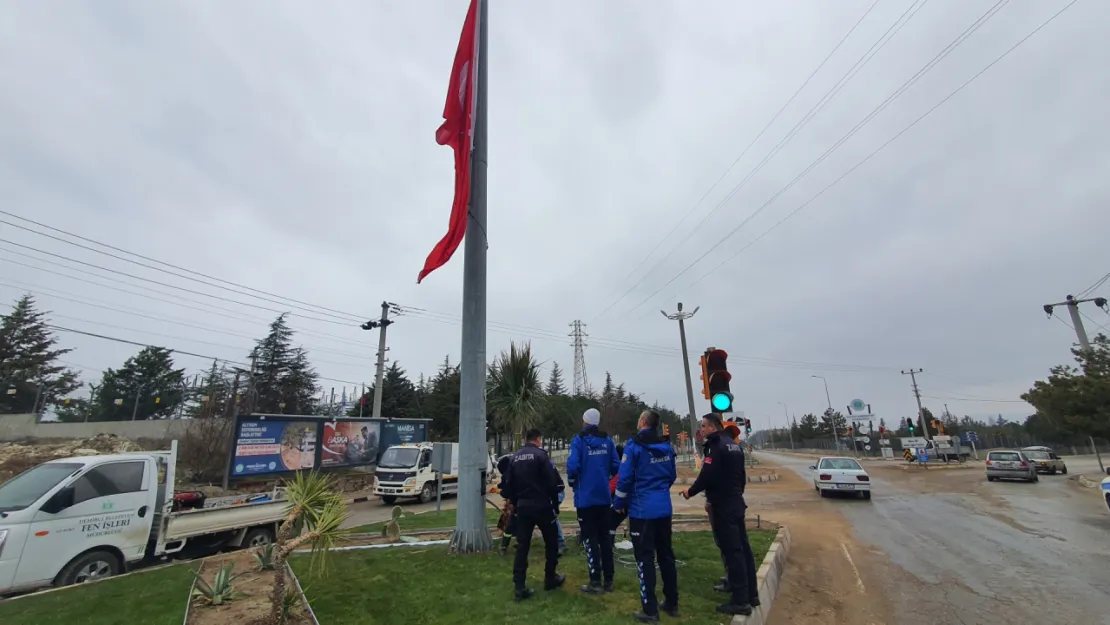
(405, 470)
(79, 519)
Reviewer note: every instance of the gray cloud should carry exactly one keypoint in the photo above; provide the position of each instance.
(290, 148)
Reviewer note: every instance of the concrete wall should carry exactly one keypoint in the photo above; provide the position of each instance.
(16, 427)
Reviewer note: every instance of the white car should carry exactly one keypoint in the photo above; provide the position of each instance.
(843, 475)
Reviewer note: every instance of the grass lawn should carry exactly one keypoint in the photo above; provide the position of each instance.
(446, 518)
(420, 585)
(154, 598)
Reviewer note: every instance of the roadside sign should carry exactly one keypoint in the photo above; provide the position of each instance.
(907, 454)
(913, 442)
(867, 447)
(857, 405)
(922, 456)
(969, 437)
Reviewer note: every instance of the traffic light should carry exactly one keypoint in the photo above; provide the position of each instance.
(909, 425)
(882, 430)
(704, 378)
(717, 379)
(849, 430)
(747, 426)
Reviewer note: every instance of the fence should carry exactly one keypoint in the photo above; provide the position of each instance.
(18, 427)
(1075, 446)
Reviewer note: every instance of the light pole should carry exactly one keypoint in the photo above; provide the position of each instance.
(681, 318)
(790, 430)
(832, 422)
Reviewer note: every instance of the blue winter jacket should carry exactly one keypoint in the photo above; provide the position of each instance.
(646, 475)
(593, 460)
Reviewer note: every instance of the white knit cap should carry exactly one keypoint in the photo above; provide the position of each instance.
(591, 416)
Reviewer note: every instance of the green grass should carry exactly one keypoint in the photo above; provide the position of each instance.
(153, 598)
(417, 585)
(446, 518)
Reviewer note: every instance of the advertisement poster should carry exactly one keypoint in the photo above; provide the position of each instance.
(274, 446)
(398, 432)
(350, 443)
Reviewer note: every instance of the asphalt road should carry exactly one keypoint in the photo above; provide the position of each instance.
(959, 550)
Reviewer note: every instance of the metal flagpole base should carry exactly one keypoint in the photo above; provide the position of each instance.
(471, 541)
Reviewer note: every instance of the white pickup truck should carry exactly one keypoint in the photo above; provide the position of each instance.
(78, 519)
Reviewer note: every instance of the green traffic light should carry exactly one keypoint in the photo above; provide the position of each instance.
(721, 402)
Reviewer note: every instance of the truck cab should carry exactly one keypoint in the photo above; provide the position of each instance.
(405, 470)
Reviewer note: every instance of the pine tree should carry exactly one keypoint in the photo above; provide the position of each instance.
(147, 377)
(284, 380)
(216, 387)
(555, 385)
(398, 396)
(29, 362)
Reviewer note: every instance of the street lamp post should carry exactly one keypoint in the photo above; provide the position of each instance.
(832, 422)
(790, 430)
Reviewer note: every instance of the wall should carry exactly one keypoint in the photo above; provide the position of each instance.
(16, 427)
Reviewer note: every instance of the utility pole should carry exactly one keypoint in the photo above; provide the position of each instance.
(917, 395)
(789, 430)
(681, 318)
(836, 439)
(381, 325)
(1076, 319)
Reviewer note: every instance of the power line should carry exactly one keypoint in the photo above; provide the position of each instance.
(154, 260)
(868, 157)
(1101, 281)
(855, 129)
(735, 162)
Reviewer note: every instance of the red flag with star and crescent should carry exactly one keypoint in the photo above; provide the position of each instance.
(457, 131)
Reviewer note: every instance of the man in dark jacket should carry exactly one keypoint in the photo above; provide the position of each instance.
(723, 478)
(644, 489)
(532, 488)
(593, 460)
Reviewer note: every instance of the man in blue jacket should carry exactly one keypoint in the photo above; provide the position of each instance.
(593, 460)
(644, 489)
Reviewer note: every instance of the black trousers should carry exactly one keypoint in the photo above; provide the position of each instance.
(594, 521)
(527, 519)
(651, 538)
(732, 539)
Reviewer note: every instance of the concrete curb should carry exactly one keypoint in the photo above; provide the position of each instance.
(1087, 482)
(752, 479)
(769, 577)
(940, 467)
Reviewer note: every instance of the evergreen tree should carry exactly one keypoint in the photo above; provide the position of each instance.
(148, 377)
(29, 361)
(210, 397)
(555, 385)
(284, 380)
(399, 396)
(441, 403)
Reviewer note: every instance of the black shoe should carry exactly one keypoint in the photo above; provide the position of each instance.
(729, 608)
(593, 588)
(554, 582)
(754, 601)
(523, 593)
(723, 586)
(670, 610)
(644, 617)
(607, 586)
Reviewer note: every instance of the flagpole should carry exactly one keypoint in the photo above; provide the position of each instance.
(471, 534)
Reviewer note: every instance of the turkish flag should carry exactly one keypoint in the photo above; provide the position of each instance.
(457, 131)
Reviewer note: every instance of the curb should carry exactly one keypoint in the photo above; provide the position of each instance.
(774, 477)
(769, 577)
(1087, 482)
(940, 467)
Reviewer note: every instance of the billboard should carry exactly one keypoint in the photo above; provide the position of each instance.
(398, 432)
(350, 443)
(273, 446)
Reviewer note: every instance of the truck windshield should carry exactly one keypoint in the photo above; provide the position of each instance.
(27, 487)
(399, 458)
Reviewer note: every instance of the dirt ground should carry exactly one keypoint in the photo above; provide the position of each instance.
(828, 572)
(254, 585)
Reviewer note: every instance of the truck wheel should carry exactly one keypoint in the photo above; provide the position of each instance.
(427, 493)
(389, 500)
(89, 567)
(1064, 470)
(257, 537)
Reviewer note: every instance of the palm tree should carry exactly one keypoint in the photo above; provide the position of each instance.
(318, 511)
(514, 391)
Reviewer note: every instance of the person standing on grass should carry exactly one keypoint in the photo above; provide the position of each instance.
(723, 478)
(507, 522)
(647, 472)
(593, 460)
(532, 488)
(732, 431)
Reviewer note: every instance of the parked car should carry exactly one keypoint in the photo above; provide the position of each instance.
(1045, 460)
(1010, 464)
(842, 475)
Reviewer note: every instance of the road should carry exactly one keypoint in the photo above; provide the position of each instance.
(944, 547)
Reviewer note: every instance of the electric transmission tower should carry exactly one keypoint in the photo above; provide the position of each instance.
(581, 383)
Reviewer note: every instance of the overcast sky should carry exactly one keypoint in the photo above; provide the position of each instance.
(289, 147)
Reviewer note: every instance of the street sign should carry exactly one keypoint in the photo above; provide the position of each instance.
(863, 439)
(922, 456)
(913, 442)
(969, 437)
(857, 405)
(867, 447)
(865, 428)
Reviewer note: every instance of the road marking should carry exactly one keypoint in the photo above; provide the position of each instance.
(859, 580)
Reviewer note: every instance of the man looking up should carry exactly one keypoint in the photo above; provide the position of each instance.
(593, 460)
(644, 488)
